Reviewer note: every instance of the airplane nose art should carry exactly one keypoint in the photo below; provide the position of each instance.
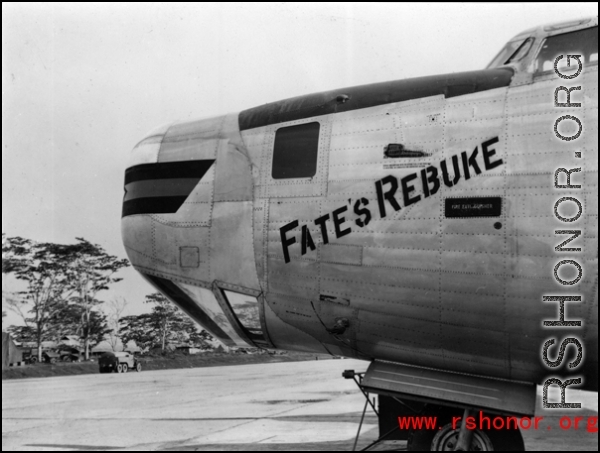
(187, 223)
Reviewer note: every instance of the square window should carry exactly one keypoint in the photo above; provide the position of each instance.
(296, 151)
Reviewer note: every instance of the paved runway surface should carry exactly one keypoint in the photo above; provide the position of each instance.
(275, 407)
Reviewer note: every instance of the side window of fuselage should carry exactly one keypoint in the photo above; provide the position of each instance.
(296, 151)
(581, 42)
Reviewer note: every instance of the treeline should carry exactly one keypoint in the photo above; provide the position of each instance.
(165, 325)
(60, 298)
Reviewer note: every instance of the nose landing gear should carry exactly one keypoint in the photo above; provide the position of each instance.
(450, 437)
(446, 433)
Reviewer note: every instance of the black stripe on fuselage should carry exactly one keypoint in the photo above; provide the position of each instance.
(364, 96)
(168, 170)
(153, 205)
(161, 188)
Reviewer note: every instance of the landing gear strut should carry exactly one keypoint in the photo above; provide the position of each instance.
(446, 436)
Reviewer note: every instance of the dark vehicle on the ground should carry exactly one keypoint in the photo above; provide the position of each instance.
(118, 362)
(51, 357)
(70, 354)
(28, 356)
(31, 357)
(70, 357)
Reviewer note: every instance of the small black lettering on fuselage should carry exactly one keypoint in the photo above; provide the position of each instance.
(456, 208)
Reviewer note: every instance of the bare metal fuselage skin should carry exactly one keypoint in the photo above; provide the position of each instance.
(420, 279)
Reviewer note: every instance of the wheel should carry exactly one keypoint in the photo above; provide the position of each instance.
(119, 368)
(138, 367)
(447, 438)
(125, 368)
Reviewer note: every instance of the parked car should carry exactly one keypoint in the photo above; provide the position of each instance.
(118, 362)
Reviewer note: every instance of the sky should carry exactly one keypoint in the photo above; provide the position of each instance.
(82, 83)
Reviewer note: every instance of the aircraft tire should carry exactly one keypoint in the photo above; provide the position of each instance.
(486, 440)
(447, 438)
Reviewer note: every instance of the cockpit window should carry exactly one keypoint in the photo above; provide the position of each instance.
(512, 52)
(581, 42)
(521, 52)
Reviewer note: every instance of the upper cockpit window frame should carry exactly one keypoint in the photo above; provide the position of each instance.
(522, 51)
(507, 51)
(549, 63)
(512, 52)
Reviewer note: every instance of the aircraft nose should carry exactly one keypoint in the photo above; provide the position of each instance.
(166, 210)
(184, 217)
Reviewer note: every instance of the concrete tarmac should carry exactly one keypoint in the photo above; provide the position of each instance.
(273, 407)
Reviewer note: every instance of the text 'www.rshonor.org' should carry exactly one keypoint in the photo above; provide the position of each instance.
(563, 184)
(486, 423)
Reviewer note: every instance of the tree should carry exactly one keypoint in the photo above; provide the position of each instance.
(95, 328)
(185, 331)
(7, 296)
(22, 334)
(164, 325)
(92, 270)
(44, 268)
(114, 310)
(59, 276)
(164, 315)
(69, 320)
(139, 328)
(64, 321)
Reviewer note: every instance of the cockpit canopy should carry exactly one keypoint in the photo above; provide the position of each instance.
(539, 49)
(513, 51)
